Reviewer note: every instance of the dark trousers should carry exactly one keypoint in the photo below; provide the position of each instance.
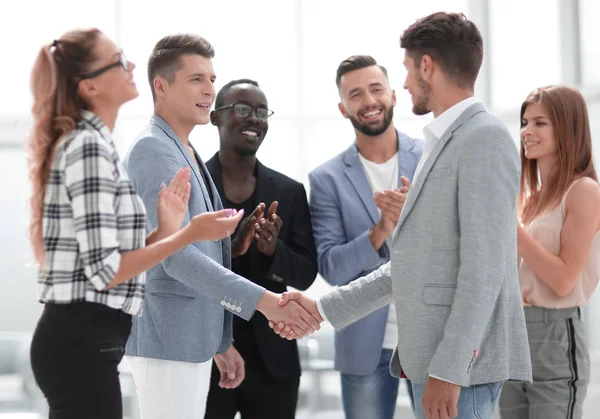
(260, 396)
(75, 352)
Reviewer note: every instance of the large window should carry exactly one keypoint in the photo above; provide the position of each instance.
(589, 10)
(524, 47)
(292, 49)
(257, 42)
(30, 24)
(334, 30)
(352, 28)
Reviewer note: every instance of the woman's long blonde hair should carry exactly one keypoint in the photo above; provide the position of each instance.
(56, 110)
(568, 114)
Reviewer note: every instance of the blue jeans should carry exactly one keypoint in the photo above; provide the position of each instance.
(372, 396)
(475, 402)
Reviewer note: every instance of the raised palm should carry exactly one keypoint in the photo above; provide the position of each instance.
(173, 202)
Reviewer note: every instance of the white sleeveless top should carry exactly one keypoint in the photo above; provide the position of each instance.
(546, 230)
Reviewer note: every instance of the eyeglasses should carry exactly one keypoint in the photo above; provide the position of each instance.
(243, 110)
(121, 63)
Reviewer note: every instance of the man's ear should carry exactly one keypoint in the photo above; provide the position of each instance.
(343, 110)
(160, 86)
(426, 67)
(214, 118)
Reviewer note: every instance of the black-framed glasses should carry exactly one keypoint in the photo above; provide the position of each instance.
(121, 63)
(243, 110)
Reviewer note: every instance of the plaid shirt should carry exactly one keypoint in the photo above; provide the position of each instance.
(91, 214)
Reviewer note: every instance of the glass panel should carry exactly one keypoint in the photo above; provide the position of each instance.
(18, 279)
(524, 44)
(22, 42)
(257, 42)
(589, 10)
(353, 29)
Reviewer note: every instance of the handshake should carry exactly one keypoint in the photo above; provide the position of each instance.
(291, 315)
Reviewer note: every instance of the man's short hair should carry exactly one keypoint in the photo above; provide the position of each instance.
(228, 86)
(356, 62)
(165, 59)
(451, 40)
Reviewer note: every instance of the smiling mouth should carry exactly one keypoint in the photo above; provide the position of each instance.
(528, 144)
(371, 114)
(203, 106)
(250, 133)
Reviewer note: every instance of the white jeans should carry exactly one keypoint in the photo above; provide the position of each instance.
(170, 389)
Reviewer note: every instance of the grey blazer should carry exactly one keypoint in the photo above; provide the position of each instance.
(190, 296)
(453, 269)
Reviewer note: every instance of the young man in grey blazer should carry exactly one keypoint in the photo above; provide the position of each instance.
(453, 269)
(192, 296)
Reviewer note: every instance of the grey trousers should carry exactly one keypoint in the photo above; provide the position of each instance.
(561, 368)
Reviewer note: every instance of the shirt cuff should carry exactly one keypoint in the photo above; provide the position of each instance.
(108, 269)
(442, 379)
(321, 311)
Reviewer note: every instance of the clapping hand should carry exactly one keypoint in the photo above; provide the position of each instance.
(172, 202)
(267, 231)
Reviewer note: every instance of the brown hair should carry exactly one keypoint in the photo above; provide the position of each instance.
(56, 110)
(356, 62)
(165, 60)
(568, 115)
(451, 40)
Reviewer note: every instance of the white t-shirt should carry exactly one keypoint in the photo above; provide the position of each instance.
(384, 176)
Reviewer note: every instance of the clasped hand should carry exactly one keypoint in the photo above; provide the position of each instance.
(287, 330)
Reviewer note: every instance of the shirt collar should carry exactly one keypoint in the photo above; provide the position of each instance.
(440, 125)
(97, 123)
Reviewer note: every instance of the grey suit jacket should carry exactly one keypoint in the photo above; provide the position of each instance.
(192, 295)
(453, 269)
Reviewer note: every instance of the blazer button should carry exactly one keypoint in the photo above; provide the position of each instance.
(228, 305)
(223, 303)
(238, 309)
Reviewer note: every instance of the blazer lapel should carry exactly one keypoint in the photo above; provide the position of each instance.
(162, 124)
(415, 188)
(216, 203)
(214, 166)
(357, 177)
(266, 187)
(407, 157)
(428, 164)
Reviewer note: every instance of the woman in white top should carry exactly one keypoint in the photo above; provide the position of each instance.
(559, 248)
(88, 226)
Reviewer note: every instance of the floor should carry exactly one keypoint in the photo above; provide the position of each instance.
(326, 404)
